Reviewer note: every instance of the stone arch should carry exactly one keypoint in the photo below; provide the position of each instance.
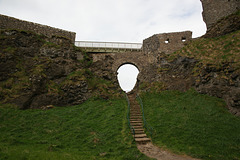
(138, 59)
(135, 58)
(128, 63)
(122, 62)
(137, 79)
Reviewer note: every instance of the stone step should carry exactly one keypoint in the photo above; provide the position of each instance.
(137, 127)
(135, 105)
(142, 140)
(135, 121)
(136, 124)
(139, 131)
(135, 117)
(136, 113)
(135, 109)
(140, 136)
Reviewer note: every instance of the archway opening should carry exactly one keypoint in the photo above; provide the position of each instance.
(127, 76)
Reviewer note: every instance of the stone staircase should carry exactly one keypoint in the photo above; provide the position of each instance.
(136, 120)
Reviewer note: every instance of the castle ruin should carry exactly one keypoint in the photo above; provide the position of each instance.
(214, 10)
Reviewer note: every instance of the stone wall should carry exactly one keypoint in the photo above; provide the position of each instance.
(166, 43)
(141, 61)
(7, 22)
(214, 10)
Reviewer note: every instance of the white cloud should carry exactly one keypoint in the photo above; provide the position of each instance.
(111, 20)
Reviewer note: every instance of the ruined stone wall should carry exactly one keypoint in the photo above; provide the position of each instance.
(110, 62)
(214, 10)
(166, 43)
(7, 22)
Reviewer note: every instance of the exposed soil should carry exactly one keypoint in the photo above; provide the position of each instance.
(154, 152)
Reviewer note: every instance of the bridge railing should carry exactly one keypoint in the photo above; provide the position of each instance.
(114, 45)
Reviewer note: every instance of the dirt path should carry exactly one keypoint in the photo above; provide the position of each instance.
(154, 152)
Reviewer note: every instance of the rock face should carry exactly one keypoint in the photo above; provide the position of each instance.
(214, 10)
(177, 74)
(36, 72)
(221, 82)
(226, 25)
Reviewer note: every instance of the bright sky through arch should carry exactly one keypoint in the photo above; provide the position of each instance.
(127, 77)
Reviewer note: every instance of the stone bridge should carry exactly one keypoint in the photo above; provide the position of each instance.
(146, 58)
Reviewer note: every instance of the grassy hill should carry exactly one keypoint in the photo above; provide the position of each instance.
(193, 124)
(184, 123)
(96, 129)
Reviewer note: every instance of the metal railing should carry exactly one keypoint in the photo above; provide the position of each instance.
(128, 118)
(115, 45)
(146, 125)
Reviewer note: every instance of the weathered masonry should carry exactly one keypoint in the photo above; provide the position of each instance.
(146, 59)
(166, 42)
(7, 22)
(214, 10)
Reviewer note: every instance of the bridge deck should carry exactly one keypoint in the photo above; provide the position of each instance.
(105, 47)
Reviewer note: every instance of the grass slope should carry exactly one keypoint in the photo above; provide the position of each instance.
(193, 124)
(96, 129)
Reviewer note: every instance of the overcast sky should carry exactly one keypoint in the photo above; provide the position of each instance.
(111, 20)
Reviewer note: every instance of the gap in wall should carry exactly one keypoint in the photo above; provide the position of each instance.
(127, 76)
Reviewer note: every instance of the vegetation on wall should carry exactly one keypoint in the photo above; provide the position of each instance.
(215, 52)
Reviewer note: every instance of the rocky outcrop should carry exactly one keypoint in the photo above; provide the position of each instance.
(221, 82)
(177, 74)
(215, 10)
(224, 26)
(184, 73)
(36, 72)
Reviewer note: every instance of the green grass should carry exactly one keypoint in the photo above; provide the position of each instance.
(193, 124)
(97, 129)
(184, 123)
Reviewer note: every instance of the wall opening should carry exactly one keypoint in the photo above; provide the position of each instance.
(167, 41)
(183, 39)
(127, 76)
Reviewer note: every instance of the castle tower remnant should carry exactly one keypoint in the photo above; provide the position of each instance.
(214, 10)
